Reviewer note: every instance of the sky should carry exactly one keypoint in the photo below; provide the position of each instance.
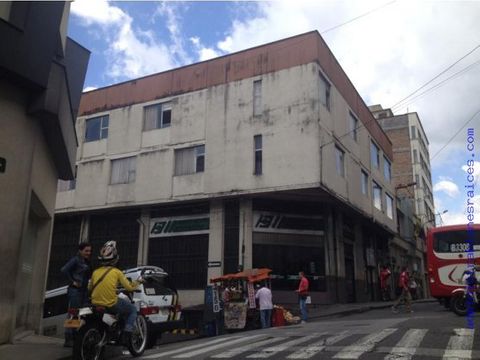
(408, 55)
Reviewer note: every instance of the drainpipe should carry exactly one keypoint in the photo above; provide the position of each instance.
(335, 256)
(142, 244)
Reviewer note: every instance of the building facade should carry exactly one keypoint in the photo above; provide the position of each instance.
(263, 158)
(413, 183)
(42, 75)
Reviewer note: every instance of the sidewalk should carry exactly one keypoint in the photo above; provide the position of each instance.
(320, 311)
(35, 347)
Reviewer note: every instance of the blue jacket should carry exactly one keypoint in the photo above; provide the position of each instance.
(77, 269)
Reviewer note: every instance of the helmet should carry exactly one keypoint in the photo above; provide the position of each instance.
(108, 253)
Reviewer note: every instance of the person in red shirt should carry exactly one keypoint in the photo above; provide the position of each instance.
(302, 295)
(405, 295)
(384, 277)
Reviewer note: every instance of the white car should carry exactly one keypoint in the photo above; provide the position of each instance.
(158, 299)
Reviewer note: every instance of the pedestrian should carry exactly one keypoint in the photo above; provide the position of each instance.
(264, 296)
(384, 278)
(78, 271)
(405, 295)
(413, 285)
(302, 292)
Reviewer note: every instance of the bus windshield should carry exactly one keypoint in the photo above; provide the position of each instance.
(456, 241)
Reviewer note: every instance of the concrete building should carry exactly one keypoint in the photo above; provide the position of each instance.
(42, 75)
(412, 179)
(263, 158)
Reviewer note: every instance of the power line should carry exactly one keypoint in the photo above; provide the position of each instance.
(450, 140)
(436, 76)
(436, 86)
(357, 17)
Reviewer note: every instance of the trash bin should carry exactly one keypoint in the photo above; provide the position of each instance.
(277, 317)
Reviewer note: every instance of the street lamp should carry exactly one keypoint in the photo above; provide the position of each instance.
(440, 216)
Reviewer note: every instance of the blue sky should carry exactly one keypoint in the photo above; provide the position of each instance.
(387, 48)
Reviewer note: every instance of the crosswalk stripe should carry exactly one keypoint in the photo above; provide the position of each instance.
(363, 345)
(268, 352)
(408, 344)
(234, 352)
(192, 347)
(311, 350)
(218, 346)
(460, 345)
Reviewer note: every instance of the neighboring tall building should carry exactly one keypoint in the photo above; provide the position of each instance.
(263, 158)
(412, 180)
(42, 75)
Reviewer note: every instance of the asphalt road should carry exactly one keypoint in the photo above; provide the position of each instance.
(431, 332)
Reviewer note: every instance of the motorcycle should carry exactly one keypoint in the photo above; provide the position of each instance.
(465, 300)
(97, 327)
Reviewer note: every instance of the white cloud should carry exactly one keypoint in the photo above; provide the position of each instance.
(448, 187)
(203, 53)
(89, 88)
(460, 217)
(131, 52)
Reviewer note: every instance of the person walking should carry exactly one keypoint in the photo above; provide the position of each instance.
(302, 292)
(384, 277)
(264, 296)
(78, 271)
(405, 295)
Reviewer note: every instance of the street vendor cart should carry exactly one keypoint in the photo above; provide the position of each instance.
(237, 293)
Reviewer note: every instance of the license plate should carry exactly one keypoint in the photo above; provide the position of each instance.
(72, 323)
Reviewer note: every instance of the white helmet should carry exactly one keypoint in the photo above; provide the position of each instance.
(108, 253)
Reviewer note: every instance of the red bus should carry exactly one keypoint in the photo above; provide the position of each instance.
(449, 249)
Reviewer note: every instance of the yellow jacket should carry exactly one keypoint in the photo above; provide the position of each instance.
(105, 293)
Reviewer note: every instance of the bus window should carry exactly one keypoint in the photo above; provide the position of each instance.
(456, 241)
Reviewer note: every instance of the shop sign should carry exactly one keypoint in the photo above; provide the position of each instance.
(180, 225)
(288, 224)
(251, 296)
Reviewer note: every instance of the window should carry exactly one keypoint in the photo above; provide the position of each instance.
(257, 97)
(123, 170)
(340, 161)
(415, 156)
(324, 91)
(375, 155)
(157, 116)
(389, 203)
(96, 128)
(364, 183)
(257, 139)
(190, 160)
(413, 131)
(417, 180)
(387, 169)
(353, 126)
(5, 7)
(66, 185)
(377, 195)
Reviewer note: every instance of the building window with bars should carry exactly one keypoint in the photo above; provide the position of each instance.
(123, 170)
(96, 128)
(157, 116)
(257, 97)
(190, 160)
(257, 140)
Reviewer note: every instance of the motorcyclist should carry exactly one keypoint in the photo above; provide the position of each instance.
(105, 289)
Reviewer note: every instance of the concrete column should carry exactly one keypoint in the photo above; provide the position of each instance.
(215, 238)
(143, 237)
(245, 256)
